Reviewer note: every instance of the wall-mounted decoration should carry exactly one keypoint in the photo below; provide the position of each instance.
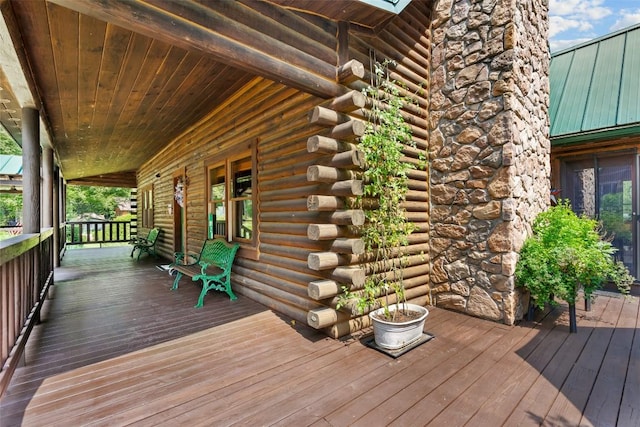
(179, 192)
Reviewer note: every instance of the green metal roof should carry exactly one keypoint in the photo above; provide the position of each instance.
(10, 165)
(595, 89)
(10, 173)
(393, 6)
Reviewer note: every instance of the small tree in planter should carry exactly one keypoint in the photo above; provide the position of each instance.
(386, 231)
(566, 253)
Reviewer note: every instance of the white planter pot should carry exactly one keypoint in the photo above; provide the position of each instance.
(392, 336)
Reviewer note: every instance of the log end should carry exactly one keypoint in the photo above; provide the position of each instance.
(322, 318)
(322, 260)
(322, 289)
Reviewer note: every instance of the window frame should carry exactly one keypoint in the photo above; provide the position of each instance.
(226, 160)
(147, 206)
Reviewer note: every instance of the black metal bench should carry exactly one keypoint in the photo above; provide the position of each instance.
(212, 265)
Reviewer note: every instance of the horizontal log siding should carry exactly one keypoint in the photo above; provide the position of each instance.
(407, 41)
(276, 117)
(283, 187)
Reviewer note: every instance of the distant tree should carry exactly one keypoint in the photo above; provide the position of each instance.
(7, 144)
(94, 200)
(10, 203)
(80, 199)
(10, 208)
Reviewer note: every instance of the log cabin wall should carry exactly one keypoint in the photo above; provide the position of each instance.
(406, 40)
(280, 121)
(275, 118)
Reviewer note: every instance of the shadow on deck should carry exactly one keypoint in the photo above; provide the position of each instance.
(117, 347)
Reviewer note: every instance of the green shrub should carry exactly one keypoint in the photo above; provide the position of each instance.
(567, 253)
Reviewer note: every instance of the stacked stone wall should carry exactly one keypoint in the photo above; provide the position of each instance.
(489, 149)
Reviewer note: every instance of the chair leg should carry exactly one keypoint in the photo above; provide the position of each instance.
(206, 286)
(216, 285)
(176, 280)
(200, 303)
(227, 286)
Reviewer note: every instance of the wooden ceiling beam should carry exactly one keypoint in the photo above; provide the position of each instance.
(118, 179)
(192, 26)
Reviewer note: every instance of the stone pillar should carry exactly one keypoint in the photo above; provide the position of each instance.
(489, 148)
(30, 171)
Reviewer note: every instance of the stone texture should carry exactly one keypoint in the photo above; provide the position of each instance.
(453, 301)
(490, 210)
(457, 270)
(469, 135)
(481, 304)
(489, 149)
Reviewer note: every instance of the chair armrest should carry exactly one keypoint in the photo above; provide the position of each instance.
(203, 267)
(186, 258)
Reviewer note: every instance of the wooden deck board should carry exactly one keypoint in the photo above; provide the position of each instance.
(436, 396)
(534, 406)
(116, 347)
(532, 358)
(630, 406)
(604, 402)
(399, 390)
(570, 402)
(348, 400)
(479, 392)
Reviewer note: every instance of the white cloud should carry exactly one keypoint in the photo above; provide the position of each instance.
(558, 24)
(628, 18)
(575, 14)
(556, 45)
(580, 9)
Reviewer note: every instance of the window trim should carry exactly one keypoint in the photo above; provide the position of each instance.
(248, 247)
(147, 206)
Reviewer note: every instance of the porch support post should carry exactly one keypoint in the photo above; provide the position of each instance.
(56, 217)
(31, 170)
(47, 187)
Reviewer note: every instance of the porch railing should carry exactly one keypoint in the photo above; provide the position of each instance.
(83, 232)
(26, 272)
(13, 230)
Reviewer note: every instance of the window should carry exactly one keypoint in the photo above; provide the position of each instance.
(147, 206)
(217, 202)
(231, 199)
(242, 199)
(602, 187)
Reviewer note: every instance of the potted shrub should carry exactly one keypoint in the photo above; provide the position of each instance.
(385, 233)
(566, 254)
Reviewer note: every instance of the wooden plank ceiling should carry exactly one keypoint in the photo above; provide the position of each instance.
(115, 90)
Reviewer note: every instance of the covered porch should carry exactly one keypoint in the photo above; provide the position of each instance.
(117, 347)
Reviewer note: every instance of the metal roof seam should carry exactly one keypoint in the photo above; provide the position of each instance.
(589, 93)
(622, 70)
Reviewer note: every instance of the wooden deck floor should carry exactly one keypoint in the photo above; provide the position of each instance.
(117, 347)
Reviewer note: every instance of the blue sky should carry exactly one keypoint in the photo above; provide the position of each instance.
(573, 22)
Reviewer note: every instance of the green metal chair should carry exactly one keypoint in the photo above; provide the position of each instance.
(146, 244)
(212, 267)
